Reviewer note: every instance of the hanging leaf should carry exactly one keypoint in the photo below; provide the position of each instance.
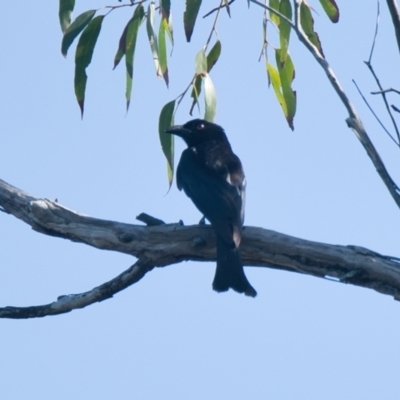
(64, 13)
(162, 52)
(165, 121)
(165, 8)
(281, 80)
(75, 29)
(189, 17)
(211, 60)
(201, 62)
(210, 98)
(273, 17)
(121, 45)
(83, 57)
(286, 74)
(153, 38)
(130, 45)
(307, 23)
(285, 8)
(276, 84)
(331, 9)
(167, 23)
(213, 55)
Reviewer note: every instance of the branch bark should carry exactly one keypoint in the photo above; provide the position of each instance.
(166, 244)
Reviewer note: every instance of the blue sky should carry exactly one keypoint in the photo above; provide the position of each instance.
(170, 336)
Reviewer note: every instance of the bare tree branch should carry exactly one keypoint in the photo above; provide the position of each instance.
(374, 113)
(386, 91)
(71, 302)
(353, 120)
(165, 244)
(382, 92)
(394, 12)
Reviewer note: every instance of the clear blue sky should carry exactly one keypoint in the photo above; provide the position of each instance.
(170, 336)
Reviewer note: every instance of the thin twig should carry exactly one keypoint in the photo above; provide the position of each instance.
(373, 112)
(131, 4)
(180, 97)
(383, 93)
(217, 8)
(214, 25)
(376, 32)
(386, 91)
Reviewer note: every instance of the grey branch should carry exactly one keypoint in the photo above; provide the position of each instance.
(165, 244)
(67, 303)
(394, 12)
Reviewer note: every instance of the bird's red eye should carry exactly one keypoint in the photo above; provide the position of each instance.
(200, 126)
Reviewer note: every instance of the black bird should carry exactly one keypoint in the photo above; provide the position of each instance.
(212, 176)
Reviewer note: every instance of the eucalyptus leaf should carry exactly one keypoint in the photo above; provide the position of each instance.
(83, 57)
(64, 13)
(75, 29)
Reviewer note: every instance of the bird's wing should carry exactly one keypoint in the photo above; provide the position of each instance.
(218, 196)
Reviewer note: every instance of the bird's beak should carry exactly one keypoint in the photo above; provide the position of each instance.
(178, 130)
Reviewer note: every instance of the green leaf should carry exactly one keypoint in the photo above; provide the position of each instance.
(167, 18)
(75, 29)
(196, 93)
(165, 8)
(121, 45)
(213, 55)
(64, 13)
(286, 75)
(201, 70)
(83, 57)
(275, 5)
(153, 38)
(130, 45)
(281, 80)
(162, 52)
(276, 84)
(210, 98)
(166, 120)
(307, 23)
(285, 8)
(201, 62)
(211, 59)
(168, 28)
(331, 9)
(189, 17)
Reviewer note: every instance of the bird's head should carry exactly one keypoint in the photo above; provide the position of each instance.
(198, 131)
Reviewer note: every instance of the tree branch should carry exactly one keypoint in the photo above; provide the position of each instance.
(374, 113)
(70, 302)
(382, 92)
(394, 12)
(165, 244)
